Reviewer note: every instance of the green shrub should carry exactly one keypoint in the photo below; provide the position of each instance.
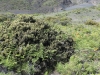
(98, 7)
(81, 63)
(6, 17)
(2, 18)
(91, 22)
(29, 45)
(2, 73)
(76, 67)
(59, 19)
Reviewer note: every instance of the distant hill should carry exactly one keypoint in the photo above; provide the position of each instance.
(37, 6)
(33, 6)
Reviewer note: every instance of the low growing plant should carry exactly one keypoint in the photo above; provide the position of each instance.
(91, 22)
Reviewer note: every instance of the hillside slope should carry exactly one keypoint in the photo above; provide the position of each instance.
(20, 36)
(39, 6)
(34, 6)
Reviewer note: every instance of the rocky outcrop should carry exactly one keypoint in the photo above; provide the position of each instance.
(67, 2)
(3, 69)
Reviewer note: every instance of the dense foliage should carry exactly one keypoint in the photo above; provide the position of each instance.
(28, 45)
(82, 63)
(91, 22)
(25, 45)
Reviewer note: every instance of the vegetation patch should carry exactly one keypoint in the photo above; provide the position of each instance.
(38, 44)
(91, 22)
(32, 46)
(82, 63)
(59, 20)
